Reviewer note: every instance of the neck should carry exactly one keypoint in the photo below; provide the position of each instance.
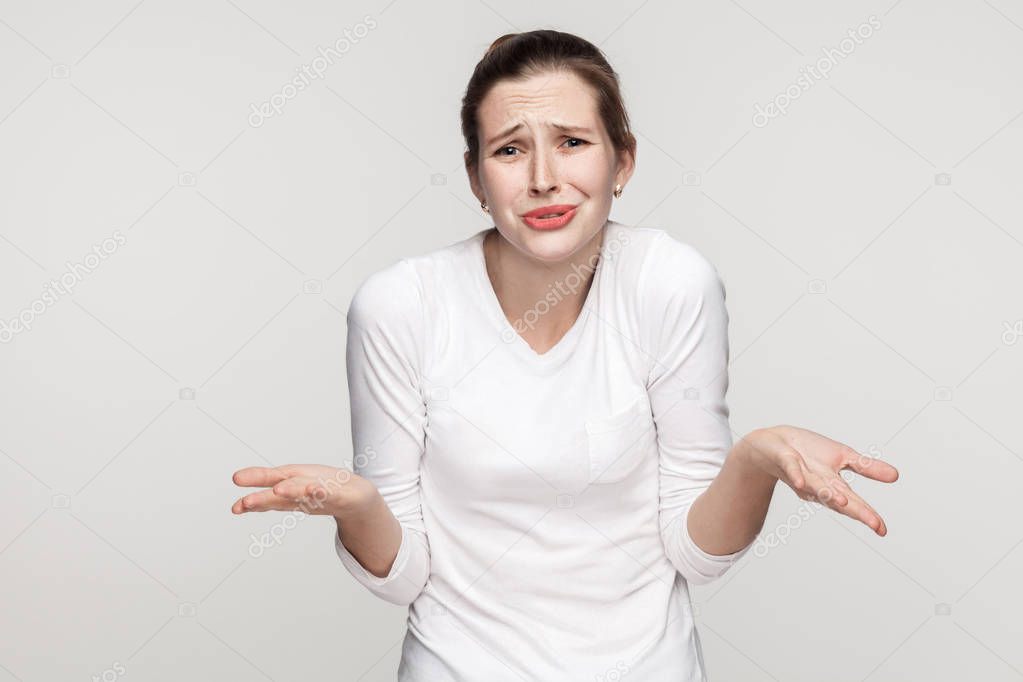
(545, 297)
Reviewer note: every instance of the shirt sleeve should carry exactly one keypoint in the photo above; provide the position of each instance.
(386, 324)
(685, 309)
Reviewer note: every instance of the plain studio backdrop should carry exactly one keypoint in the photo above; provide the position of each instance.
(852, 170)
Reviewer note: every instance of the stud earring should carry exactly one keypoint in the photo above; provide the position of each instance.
(483, 205)
(618, 191)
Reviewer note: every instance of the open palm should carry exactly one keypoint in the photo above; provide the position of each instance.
(811, 465)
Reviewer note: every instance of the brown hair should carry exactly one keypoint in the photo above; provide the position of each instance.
(517, 56)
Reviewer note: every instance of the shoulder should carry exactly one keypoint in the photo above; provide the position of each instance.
(681, 296)
(402, 293)
(385, 319)
(680, 262)
(681, 301)
(388, 296)
(669, 269)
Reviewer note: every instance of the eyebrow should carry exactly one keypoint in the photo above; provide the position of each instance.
(563, 128)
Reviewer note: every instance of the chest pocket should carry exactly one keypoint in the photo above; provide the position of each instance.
(617, 443)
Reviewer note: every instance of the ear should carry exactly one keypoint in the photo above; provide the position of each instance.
(474, 178)
(626, 165)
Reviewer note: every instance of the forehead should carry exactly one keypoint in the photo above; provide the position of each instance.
(560, 97)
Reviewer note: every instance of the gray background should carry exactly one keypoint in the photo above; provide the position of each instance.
(869, 239)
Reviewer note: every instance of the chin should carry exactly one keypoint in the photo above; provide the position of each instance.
(554, 245)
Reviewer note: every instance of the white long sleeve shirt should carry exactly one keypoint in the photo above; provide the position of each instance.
(543, 497)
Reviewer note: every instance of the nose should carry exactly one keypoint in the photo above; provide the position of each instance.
(543, 175)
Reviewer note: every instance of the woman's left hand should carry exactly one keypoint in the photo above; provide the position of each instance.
(810, 463)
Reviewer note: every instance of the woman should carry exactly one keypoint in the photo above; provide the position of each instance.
(543, 460)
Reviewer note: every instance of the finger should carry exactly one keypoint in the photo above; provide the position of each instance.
(810, 485)
(796, 477)
(265, 500)
(833, 495)
(295, 487)
(792, 471)
(826, 490)
(833, 485)
(263, 477)
(843, 485)
(859, 510)
(870, 467)
(309, 492)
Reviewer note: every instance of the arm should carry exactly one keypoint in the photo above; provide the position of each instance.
(712, 503)
(714, 498)
(730, 513)
(384, 545)
(371, 534)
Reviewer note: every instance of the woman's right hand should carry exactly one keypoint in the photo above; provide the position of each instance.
(311, 488)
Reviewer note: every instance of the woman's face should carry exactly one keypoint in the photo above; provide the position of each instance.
(542, 143)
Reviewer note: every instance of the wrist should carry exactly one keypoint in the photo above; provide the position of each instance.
(750, 458)
(361, 499)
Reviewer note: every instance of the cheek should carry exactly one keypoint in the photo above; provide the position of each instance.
(505, 182)
(592, 174)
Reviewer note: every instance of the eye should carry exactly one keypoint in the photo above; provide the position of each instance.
(500, 150)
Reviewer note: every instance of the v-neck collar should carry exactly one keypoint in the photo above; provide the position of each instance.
(555, 355)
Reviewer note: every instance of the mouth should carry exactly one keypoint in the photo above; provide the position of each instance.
(550, 217)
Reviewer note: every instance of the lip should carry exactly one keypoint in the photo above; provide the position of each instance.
(544, 210)
(537, 223)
